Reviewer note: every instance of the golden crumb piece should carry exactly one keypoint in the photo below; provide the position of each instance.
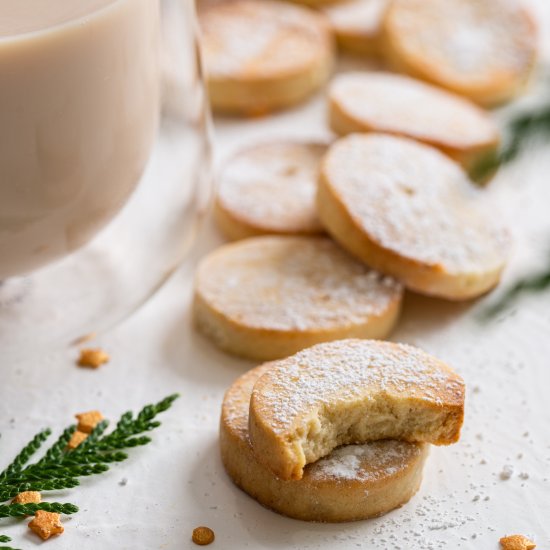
(92, 358)
(27, 497)
(517, 542)
(84, 338)
(46, 524)
(88, 421)
(203, 536)
(76, 439)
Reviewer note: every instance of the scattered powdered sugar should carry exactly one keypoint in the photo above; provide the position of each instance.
(465, 40)
(293, 283)
(346, 373)
(402, 105)
(368, 462)
(414, 201)
(273, 186)
(285, 38)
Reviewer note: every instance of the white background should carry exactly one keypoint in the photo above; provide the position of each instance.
(178, 482)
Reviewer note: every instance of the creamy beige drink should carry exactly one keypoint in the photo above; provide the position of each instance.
(78, 115)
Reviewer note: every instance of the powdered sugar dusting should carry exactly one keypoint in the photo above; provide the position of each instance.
(362, 17)
(348, 373)
(414, 201)
(402, 105)
(465, 40)
(285, 38)
(369, 462)
(293, 283)
(273, 186)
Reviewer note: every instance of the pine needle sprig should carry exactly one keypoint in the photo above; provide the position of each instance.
(61, 467)
(59, 447)
(12, 490)
(534, 283)
(520, 131)
(24, 456)
(21, 510)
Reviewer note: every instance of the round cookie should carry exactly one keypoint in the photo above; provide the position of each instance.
(270, 189)
(263, 56)
(268, 297)
(357, 25)
(351, 391)
(403, 106)
(483, 50)
(408, 210)
(352, 483)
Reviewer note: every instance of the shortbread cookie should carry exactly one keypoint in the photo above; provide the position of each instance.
(268, 297)
(403, 106)
(262, 56)
(357, 24)
(270, 188)
(352, 483)
(351, 392)
(408, 210)
(483, 50)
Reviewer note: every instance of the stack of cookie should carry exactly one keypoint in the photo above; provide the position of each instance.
(339, 431)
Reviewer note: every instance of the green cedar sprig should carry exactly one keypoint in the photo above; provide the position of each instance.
(519, 132)
(61, 467)
(22, 510)
(534, 283)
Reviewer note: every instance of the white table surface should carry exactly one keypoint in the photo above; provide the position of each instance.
(178, 482)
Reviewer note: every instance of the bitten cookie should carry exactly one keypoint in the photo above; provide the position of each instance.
(408, 210)
(263, 56)
(268, 297)
(270, 189)
(352, 483)
(350, 392)
(483, 50)
(357, 25)
(403, 106)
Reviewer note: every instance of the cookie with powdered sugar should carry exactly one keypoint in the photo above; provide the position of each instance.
(268, 297)
(404, 106)
(357, 25)
(352, 483)
(263, 56)
(408, 210)
(351, 392)
(483, 50)
(270, 189)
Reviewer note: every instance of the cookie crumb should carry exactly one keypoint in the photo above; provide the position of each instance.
(88, 421)
(84, 338)
(27, 497)
(92, 358)
(516, 542)
(203, 536)
(46, 524)
(507, 472)
(76, 439)
(123, 482)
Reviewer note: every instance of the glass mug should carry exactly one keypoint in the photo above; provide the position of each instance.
(104, 160)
